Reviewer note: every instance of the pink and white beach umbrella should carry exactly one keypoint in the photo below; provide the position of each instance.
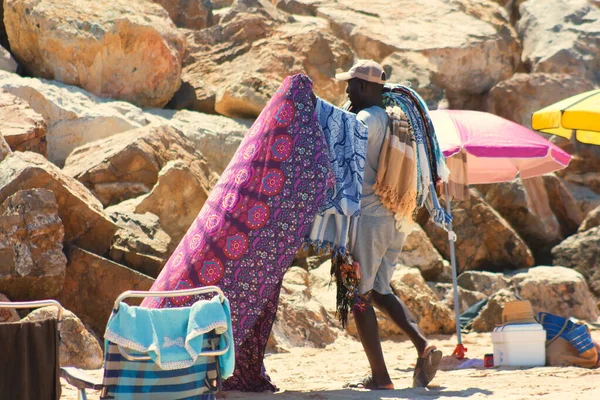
(497, 149)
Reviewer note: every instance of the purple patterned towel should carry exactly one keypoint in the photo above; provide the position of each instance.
(248, 232)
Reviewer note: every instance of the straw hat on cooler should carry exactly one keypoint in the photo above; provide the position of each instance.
(518, 312)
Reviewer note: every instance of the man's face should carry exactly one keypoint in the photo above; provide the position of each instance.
(354, 92)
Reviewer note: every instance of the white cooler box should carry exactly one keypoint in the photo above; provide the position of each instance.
(519, 345)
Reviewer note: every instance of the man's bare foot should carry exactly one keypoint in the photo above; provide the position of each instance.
(370, 384)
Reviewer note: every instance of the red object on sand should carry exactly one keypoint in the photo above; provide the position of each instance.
(488, 360)
(459, 351)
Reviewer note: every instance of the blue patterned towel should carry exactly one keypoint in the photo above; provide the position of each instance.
(347, 142)
(172, 337)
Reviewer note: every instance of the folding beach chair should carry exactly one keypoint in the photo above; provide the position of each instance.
(29, 363)
(163, 354)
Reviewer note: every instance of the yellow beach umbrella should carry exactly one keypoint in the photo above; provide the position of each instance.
(579, 114)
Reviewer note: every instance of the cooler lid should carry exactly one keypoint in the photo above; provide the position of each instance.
(519, 327)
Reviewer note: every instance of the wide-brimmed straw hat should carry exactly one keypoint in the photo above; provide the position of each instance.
(515, 312)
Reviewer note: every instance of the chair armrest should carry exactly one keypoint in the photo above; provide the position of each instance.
(78, 378)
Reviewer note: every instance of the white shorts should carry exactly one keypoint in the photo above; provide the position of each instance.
(376, 246)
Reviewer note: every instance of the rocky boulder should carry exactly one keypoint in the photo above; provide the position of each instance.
(214, 136)
(191, 14)
(301, 320)
(561, 36)
(78, 347)
(525, 204)
(4, 148)
(557, 290)
(518, 97)
(585, 198)
(487, 283)
(122, 166)
(176, 199)
(582, 253)
(235, 67)
(140, 243)
(126, 50)
(81, 214)
(31, 235)
(563, 204)
(432, 316)
(93, 284)
(419, 252)
(417, 70)
(300, 7)
(591, 221)
(491, 314)
(73, 116)
(485, 240)
(466, 298)
(480, 50)
(22, 127)
(8, 314)
(7, 62)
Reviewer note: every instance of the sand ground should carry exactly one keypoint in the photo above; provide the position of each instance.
(319, 374)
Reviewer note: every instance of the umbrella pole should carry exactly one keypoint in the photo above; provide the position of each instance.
(460, 350)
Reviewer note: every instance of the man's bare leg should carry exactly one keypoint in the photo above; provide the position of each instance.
(368, 332)
(395, 309)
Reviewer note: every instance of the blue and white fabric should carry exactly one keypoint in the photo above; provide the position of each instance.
(347, 141)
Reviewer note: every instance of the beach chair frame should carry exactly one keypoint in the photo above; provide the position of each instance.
(80, 380)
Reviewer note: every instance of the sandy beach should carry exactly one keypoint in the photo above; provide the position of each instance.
(319, 374)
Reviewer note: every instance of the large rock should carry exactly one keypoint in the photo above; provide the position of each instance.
(122, 166)
(490, 315)
(484, 282)
(140, 243)
(84, 222)
(563, 204)
(485, 240)
(582, 253)
(4, 148)
(31, 235)
(22, 127)
(214, 136)
(561, 36)
(191, 14)
(126, 50)
(8, 314)
(93, 284)
(78, 347)
(518, 97)
(557, 290)
(466, 298)
(7, 62)
(419, 252)
(591, 221)
(472, 44)
(301, 7)
(419, 72)
(525, 204)
(585, 199)
(301, 320)
(176, 199)
(235, 67)
(432, 316)
(73, 116)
